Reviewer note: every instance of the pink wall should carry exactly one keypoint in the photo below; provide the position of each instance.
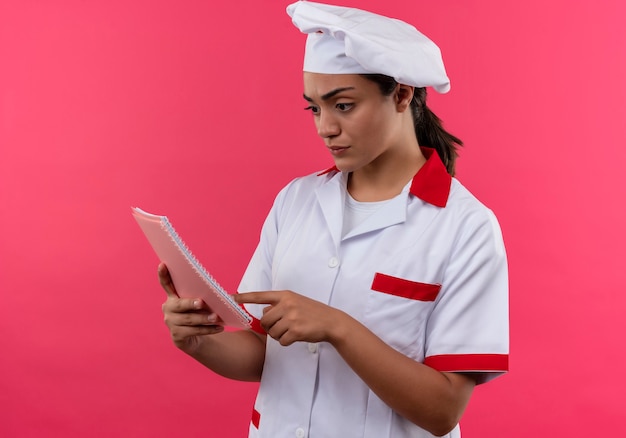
(193, 109)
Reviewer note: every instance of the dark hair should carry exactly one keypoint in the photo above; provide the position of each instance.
(428, 127)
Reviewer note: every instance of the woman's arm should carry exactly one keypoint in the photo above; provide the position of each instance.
(236, 355)
(197, 331)
(433, 400)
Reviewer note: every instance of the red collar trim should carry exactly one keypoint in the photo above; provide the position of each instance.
(330, 169)
(431, 183)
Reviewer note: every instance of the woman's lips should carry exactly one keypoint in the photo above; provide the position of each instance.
(338, 150)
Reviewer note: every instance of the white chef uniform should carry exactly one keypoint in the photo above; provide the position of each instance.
(426, 272)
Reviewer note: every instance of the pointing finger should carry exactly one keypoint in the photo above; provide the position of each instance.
(271, 297)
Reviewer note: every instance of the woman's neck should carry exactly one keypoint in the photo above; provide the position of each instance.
(386, 176)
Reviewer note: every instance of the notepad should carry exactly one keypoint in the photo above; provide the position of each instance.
(190, 278)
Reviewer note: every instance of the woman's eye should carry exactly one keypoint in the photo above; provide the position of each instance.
(313, 109)
(344, 106)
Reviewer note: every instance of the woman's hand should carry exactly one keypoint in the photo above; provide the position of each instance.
(291, 317)
(187, 318)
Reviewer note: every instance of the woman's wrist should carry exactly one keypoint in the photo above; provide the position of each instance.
(342, 327)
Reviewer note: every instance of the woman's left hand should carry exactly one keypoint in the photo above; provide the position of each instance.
(291, 317)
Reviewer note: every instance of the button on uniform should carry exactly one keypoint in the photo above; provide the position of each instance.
(300, 433)
(312, 348)
(333, 262)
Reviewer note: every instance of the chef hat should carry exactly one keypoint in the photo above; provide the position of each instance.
(348, 40)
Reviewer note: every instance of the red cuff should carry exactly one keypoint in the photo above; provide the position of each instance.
(469, 362)
(255, 325)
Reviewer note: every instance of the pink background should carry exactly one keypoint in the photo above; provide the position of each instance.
(193, 109)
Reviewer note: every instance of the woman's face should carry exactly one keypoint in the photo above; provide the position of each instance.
(359, 125)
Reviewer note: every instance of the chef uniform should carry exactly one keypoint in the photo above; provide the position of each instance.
(425, 271)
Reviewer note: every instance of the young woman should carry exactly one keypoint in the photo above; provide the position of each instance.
(379, 286)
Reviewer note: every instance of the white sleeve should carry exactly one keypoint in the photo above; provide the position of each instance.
(258, 275)
(468, 330)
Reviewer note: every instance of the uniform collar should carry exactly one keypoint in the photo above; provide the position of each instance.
(431, 183)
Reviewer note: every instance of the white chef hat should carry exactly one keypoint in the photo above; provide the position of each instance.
(348, 40)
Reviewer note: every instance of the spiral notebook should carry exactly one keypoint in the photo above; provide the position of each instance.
(190, 278)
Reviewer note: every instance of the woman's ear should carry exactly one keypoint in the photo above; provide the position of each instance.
(403, 96)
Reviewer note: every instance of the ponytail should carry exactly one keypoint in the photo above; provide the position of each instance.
(430, 132)
(428, 127)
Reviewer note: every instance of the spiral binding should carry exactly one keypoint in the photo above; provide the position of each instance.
(201, 271)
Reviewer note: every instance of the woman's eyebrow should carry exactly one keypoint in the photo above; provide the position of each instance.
(329, 94)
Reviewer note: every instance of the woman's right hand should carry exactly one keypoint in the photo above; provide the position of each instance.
(188, 319)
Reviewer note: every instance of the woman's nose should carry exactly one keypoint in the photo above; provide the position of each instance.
(327, 126)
